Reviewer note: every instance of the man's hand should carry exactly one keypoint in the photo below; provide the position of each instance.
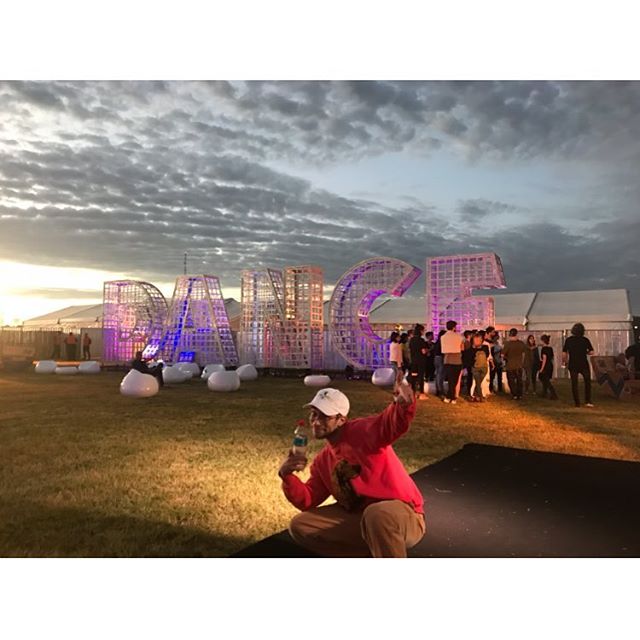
(292, 463)
(402, 391)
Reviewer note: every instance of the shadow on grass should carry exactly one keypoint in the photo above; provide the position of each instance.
(32, 529)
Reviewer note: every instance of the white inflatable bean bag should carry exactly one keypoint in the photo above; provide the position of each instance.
(384, 377)
(211, 368)
(139, 385)
(67, 371)
(46, 366)
(89, 367)
(191, 367)
(317, 381)
(247, 372)
(224, 381)
(174, 375)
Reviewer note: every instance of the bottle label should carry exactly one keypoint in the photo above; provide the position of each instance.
(300, 441)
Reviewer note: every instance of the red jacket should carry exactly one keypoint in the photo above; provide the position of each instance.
(365, 442)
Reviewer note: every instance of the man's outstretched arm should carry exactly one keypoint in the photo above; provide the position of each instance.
(394, 421)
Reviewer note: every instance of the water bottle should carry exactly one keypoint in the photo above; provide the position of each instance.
(300, 439)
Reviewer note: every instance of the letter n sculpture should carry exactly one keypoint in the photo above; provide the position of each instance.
(282, 318)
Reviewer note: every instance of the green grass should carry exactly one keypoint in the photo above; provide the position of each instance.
(85, 471)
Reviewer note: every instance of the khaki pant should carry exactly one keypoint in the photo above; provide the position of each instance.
(384, 529)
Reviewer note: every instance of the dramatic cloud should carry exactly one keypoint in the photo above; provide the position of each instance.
(474, 211)
(127, 176)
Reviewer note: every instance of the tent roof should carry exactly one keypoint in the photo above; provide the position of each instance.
(405, 311)
(605, 308)
(91, 314)
(513, 308)
(605, 305)
(68, 315)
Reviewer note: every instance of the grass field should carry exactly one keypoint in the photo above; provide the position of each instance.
(85, 471)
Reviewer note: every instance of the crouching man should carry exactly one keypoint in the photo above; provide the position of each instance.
(379, 510)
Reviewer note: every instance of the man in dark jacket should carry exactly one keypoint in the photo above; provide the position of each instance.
(418, 350)
(139, 364)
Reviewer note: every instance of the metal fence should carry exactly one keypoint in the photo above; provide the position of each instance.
(41, 342)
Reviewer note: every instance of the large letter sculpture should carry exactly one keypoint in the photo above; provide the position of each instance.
(134, 313)
(282, 318)
(197, 326)
(450, 283)
(352, 299)
(303, 325)
(262, 315)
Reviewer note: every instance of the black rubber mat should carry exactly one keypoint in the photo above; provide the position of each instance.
(486, 501)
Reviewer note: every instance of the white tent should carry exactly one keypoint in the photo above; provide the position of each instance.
(605, 309)
(76, 317)
(90, 316)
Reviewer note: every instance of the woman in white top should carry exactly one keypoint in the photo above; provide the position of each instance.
(395, 351)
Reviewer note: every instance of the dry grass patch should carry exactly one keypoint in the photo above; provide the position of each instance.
(85, 471)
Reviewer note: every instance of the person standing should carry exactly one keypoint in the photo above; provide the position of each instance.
(404, 345)
(531, 365)
(86, 347)
(452, 346)
(495, 371)
(395, 352)
(430, 367)
(70, 344)
(58, 339)
(481, 359)
(577, 347)
(417, 349)
(546, 368)
(467, 361)
(406, 352)
(513, 353)
(439, 364)
(633, 352)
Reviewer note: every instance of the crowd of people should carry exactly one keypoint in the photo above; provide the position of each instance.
(467, 361)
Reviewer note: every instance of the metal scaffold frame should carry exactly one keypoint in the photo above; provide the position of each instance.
(351, 302)
(303, 326)
(282, 317)
(260, 308)
(134, 313)
(198, 327)
(451, 281)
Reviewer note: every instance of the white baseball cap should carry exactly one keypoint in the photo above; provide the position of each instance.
(331, 402)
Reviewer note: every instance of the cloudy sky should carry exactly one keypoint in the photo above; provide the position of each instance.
(100, 180)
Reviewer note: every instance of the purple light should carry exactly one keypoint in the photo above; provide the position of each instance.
(133, 317)
(197, 323)
(351, 303)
